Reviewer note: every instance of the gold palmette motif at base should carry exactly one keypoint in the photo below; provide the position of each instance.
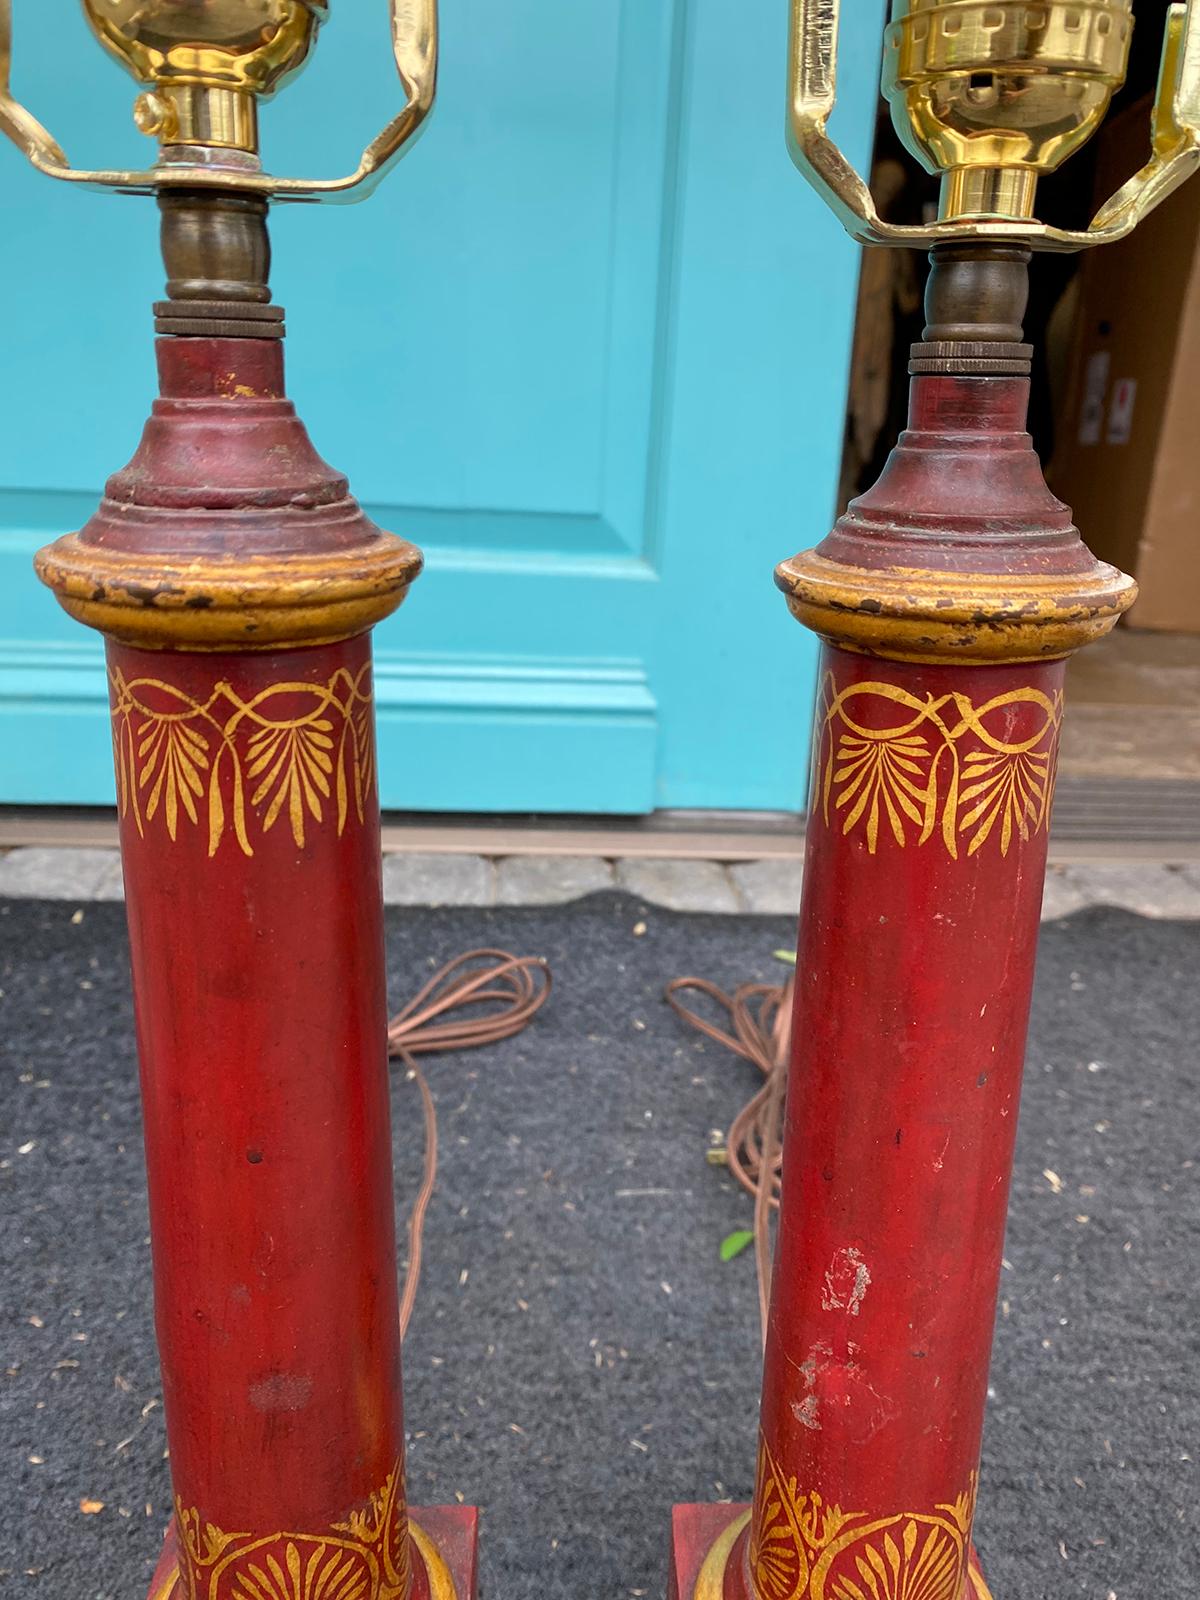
(365, 1558)
(304, 752)
(898, 765)
(803, 1547)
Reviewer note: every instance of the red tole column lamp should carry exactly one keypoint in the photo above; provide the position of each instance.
(948, 599)
(236, 582)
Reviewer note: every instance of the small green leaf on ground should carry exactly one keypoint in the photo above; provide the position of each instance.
(785, 955)
(734, 1243)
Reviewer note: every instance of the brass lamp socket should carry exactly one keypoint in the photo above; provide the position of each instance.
(994, 93)
(205, 64)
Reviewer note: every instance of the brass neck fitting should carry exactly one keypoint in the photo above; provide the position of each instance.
(217, 253)
(975, 303)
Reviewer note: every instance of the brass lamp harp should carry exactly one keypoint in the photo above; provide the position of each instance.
(204, 65)
(991, 95)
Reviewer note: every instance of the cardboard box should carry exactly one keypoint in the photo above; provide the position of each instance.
(1127, 452)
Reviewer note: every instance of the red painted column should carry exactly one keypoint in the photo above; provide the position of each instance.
(948, 598)
(237, 581)
(926, 857)
(250, 834)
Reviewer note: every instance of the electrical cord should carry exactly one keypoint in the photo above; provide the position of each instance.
(760, 1026)
(478, 998)
(487, 995)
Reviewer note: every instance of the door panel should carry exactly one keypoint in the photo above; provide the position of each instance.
(587, 348)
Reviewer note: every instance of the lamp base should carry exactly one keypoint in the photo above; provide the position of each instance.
(444, 1550)
(702, 1540)
(707, 1556)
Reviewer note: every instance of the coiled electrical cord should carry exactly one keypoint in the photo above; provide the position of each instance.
(487, 995)
(478, 998)
(760, 1025)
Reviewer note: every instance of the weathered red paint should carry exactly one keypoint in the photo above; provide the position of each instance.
(227, 530)
(250, 839)
(261, 1016)
(963, 492)
(914, 975)
(225, 466)
(925, 862)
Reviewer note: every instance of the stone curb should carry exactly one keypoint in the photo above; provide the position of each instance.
(763, 887)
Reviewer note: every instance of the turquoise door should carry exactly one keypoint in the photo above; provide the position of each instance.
(587, 347)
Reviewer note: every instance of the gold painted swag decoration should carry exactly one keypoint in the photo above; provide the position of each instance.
(295, 752)
(365, 1558)
(937, 765)
(805, 1548)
